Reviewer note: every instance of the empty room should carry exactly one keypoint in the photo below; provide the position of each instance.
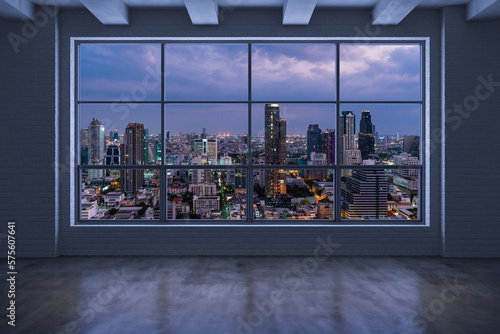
(250, 166)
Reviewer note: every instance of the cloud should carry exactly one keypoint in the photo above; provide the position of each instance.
(293, 72)
(109, 70)
(209, 72)
(380, 72)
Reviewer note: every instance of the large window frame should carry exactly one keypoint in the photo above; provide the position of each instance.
(424, 167)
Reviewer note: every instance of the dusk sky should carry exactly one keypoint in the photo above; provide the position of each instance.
(280, 72)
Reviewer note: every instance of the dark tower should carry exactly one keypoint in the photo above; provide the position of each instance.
(366, 141)
(275, 150)
(314, 142)
(132, 153)
(328, 145)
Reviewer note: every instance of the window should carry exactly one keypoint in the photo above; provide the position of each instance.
(250, 132)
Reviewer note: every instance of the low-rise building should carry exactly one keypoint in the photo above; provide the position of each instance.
(113, 199)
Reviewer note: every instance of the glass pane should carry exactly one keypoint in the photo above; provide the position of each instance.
(120, 72)
(206, 72)
(120, 194)
(206, 134)
(293, 72)
(380, 134)
(377, 72)
(293, 194)
(380, 194)
(112, 134)
(206, 194)
(293, 134)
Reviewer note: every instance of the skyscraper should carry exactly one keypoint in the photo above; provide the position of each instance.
(328, 145)
(132, 153)
(145, 143)
(314, 142)
(113, 155)
(366, 141)
(96, 142)
(84, 146)
(411, 145)
(275, 150)
(208, 147)
(96, 147)
(347, 136)
(365, 195)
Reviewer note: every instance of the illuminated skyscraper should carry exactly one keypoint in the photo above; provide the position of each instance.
(145, 142)
(366, 141)
(97, 146)
(347, 135)
(275, 150)
(328, 145)
(208, 147)
(132, 153)
(96, 142)
(314, 141)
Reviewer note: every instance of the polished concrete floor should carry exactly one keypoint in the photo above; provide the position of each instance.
(256, 295)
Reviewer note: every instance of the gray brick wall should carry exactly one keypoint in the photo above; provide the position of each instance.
(472, 151)
(247, 240)
(27, 112)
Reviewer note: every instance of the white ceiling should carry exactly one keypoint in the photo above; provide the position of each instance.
(294, 11)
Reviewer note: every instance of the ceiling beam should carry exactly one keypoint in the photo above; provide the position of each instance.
(298, 12)
(203, 12)
(20, 9)
(483, 9)
(109, 12)
(392, 12)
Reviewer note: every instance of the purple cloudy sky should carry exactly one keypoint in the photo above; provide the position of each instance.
(216, 72)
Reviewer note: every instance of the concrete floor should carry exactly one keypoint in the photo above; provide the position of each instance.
(256, 295)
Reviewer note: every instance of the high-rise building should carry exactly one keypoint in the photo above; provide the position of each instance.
(404, 159)
(113, 136)
(347, 133)
(84, 146)
(158, 150)
(96, 146)
(366, 141)
(113, 155)
(275, 150)
(96, 142)
(411, 145)
(328, 145)
(132, 153)
(208, 147)
(145, 142)
(314, 142)
(352, 157)
(365, 195)
(240, 179)
(317, 159)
